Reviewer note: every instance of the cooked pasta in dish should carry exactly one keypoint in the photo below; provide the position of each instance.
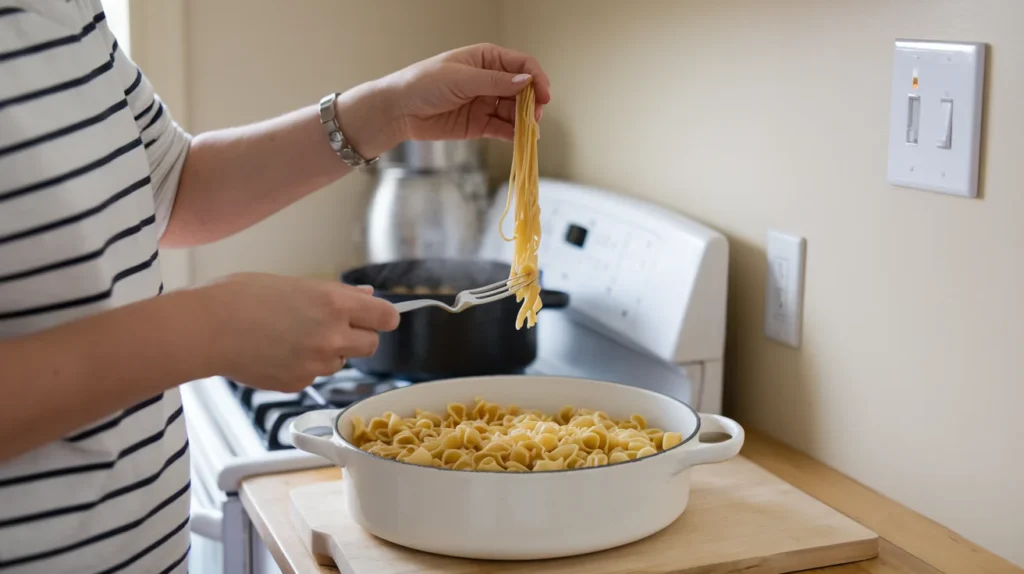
(489, 437)
(523, 184)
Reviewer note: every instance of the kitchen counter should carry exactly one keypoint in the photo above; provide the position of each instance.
(909, 543)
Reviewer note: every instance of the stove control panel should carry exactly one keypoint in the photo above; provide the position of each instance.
(646, 273)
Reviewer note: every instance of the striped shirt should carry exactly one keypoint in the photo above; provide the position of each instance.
(89, 165)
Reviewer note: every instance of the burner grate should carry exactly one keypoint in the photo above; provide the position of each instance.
(270, 412)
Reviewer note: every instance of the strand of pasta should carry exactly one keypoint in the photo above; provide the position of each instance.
(523, 184)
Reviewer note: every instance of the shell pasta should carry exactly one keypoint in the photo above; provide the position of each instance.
(523, 184)
(489, 437)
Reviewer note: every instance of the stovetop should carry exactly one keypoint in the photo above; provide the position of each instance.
(269, 412)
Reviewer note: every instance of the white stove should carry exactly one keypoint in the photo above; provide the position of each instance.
(647, 307)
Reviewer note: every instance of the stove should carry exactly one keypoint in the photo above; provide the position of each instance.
(648, 292)
(271, 412)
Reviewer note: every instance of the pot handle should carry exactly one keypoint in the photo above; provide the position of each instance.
(313, 431)
(711, 452)
(554, 299)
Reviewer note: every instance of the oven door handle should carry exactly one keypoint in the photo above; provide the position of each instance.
(207, 519)
(207, 523)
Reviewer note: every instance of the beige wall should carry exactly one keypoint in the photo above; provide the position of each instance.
(751, 114)
(158, 33)
(250, 59)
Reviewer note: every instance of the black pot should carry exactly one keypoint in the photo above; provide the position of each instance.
(431, 343)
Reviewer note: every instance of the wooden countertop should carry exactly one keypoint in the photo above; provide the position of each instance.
(910, 543)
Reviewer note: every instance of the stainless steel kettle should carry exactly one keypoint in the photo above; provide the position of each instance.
(430, 200)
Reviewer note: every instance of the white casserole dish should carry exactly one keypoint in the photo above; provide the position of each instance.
(518, 516)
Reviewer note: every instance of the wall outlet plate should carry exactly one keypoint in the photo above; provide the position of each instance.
(784, 288)
(935, 116)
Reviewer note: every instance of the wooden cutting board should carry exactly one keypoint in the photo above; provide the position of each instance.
(741, 518)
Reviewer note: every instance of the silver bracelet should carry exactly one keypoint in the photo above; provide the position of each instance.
(339, 143)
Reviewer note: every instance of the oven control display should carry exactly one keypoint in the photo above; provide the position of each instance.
(576, 235)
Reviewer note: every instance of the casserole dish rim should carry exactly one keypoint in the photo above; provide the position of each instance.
(337, 436)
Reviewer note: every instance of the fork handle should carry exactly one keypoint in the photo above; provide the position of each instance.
(417, 304)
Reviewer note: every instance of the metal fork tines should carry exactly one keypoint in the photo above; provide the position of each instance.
(472, 297)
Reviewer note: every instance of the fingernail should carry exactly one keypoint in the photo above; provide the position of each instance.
(521, 79)
(368, 288)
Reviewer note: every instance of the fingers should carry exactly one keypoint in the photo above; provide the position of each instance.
(476, 82)
(499, 129)
(359, 343)
(368, 312)
(367, 289)
(506, 110)
(500, 122)
(493, 57)
(330, 366)
(501, 72)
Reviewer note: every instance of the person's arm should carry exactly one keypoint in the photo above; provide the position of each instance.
(233, 178)
(272, 332)
(61, 379)
(236, 177)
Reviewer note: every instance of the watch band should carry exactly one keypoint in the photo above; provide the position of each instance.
(339, 143)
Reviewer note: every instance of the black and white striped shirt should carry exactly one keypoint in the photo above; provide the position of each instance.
(89, 165)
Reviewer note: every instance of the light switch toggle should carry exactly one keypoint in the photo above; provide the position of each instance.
(913, 118)
(946, 136)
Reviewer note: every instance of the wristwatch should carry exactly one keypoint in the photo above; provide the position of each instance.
(339, 143)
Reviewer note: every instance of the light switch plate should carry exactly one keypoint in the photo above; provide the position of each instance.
(784, 288)
(935, 116)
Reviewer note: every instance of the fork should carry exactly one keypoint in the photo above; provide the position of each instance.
(471, 297)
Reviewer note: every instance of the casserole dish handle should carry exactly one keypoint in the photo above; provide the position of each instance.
(711, 452)
(313, 432)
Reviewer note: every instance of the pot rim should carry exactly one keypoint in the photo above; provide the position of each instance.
(448, 298)
(348, 445)
(399, 297)
(440, 260)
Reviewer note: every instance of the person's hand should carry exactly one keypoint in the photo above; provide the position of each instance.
(280, 333)
(465, 93)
